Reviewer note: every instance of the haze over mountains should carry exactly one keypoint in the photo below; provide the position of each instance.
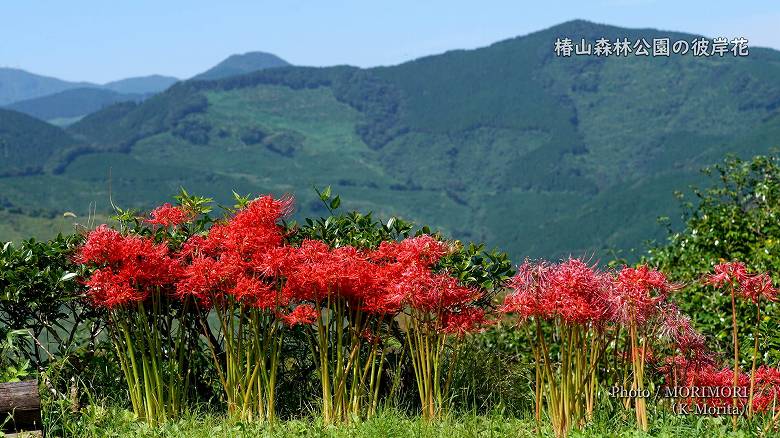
(63, 102)
(509, 144)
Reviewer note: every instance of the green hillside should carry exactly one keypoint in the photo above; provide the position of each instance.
(508, 144)
(29, 146)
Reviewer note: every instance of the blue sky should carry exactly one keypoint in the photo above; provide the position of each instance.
(107, 40)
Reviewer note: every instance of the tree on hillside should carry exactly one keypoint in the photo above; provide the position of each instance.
(736, 218)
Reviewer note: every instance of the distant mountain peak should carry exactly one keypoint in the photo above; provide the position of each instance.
(243, 63)
(142, 84)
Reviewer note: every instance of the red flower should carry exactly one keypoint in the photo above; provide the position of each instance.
(727, 273)
(735, 274)
(302, 314)
(719, 386)
(466, 321)
(108, 289)
(638, 294)
(242, 257)
(424, 250)
(167, 215)
(677, 326)
(199, 278)
(531, 286)
(131, 261)
(757, 286)
(570, 290)
(103, 246)
(255, 293)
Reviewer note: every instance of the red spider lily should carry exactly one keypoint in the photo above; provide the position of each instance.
(199, 278)
(302, 314)
(251, 291)
(571, 290)
(315, 272)
(677, 326)
(312, 274)
(735, 274)
(167, 215)
(530, 286)
(103, 246)
(252, 230)
(239, 256)
(426, 291)
(466, 321)
(757, 286)
(109, 290)
(580, 292)
(424, 250)
(132, 262)
(727, 273)
(638, 293)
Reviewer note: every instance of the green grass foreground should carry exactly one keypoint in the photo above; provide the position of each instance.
(100, 421)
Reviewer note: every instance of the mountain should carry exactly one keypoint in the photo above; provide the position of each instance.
(508, 144)
(240, 64)
(29, 146)
(141, 85)
(16, 85)
(70, 105)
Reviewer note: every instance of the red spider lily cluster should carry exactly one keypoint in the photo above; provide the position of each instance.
(246, 257)
(586, 309)
(238, 258)
(685, 339)
(244, 268)
(244, 264)
(577, 293)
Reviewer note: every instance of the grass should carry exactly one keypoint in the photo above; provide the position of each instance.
(108, 421)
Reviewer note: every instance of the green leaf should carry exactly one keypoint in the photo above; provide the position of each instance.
(325, 195)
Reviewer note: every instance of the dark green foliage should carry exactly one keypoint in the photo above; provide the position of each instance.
(473, 265)
(285, 143)
(379, 100)
(252, 135)
(41, 293)
(360, 230)
(194, 131)
(733, 218)
(494, 373)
